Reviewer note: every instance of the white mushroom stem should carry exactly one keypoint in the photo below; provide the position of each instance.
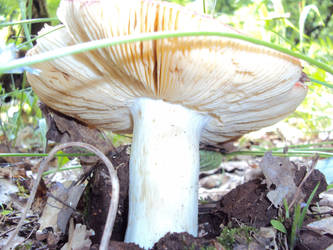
(164, 169)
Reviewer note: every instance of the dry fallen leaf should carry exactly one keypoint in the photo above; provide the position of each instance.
(280, 172)
(56, 213)
(323, 226)
(6, 189)
(74, 195)
(212, 181)
(50, 214)
(78, 239)
(17, 240)
(326, 198)
(66, 129)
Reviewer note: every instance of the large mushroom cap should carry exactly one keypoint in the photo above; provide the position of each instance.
(241, 86)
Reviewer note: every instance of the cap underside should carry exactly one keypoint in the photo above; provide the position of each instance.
(243, 87)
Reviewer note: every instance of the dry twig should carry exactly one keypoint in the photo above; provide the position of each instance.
(114, 199)
(299, 188)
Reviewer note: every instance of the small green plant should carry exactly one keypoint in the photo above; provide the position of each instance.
(5, 211)
(25, 246)
(62, 160)
(329, 186)
(210, 160)
(192, 247)
(279, 226)
(228, 235)
(298, 219)
(299, 216)
(23, 192)
(208, 248)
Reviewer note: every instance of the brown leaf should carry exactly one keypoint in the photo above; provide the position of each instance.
(63, 129)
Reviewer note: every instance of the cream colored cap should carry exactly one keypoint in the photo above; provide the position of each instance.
(242, 86)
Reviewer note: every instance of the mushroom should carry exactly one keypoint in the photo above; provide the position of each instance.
(172, 93)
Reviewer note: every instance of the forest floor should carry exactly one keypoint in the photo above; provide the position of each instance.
(237, 201)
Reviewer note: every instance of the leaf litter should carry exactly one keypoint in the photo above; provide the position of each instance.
(240, 194)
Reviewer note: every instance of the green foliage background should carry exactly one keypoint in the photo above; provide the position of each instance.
(303, 26)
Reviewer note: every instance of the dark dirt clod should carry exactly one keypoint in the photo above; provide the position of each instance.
(210, 220)
(315, 177)
(116, 245)
(174, 241)
(99, 196)
(248, 204)
(311, 240)
(180, 241)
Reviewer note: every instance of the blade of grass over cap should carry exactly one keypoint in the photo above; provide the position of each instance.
(65, 51)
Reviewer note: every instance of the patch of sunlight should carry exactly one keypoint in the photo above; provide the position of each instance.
(329, 77)
(12, 110)
(5, 116)
(286, 130)
(246, 19)
(26, 107)
(3, 35)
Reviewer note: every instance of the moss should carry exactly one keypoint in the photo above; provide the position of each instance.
(230, 236)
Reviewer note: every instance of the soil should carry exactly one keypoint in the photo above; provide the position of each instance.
(182, 241)
(315, 178)
(311, 240)
(245, 205)
(248, 204)
(174, 241)
(99, 196)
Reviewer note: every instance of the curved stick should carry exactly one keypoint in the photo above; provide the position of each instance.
(114, 199)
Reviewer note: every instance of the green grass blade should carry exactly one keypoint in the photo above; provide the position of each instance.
(61, 169)
(305, 209)
(26, 21)
(314, 149)
(328, 85)
(286, 208)
(29, 13)
(144, 37)
(305, 145)
(19, 119)
(44, 154)
(288, 154)
(16, 91)
(305, 12)
(37, 37)
(294, 228)
(22, 4)
(292, 26)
